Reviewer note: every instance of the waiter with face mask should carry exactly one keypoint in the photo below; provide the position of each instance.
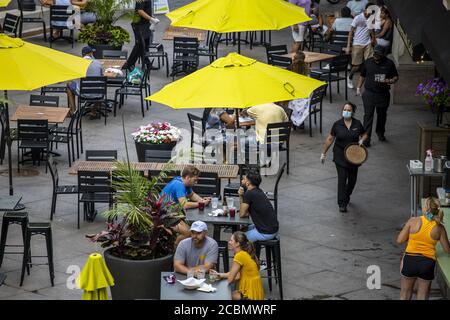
(345, 131)
(378, 73)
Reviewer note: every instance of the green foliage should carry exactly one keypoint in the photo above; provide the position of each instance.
(97, 34)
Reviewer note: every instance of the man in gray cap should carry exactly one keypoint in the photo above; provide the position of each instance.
(199, 252)
(378, 74)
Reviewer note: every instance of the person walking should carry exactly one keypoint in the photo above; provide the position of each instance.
(345, 131)
(245, 268)
(419, 260)
(142, 34)
(377, 74)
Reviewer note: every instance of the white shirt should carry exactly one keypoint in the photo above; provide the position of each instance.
(342, 24)
(361, 36)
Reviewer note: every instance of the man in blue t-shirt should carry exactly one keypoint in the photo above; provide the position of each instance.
(180, 189)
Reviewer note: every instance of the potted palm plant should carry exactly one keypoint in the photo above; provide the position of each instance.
(155, 136)
(103, 34)
(139, 243)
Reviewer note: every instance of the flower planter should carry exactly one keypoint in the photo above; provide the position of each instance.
(137, 279)
(141, 147)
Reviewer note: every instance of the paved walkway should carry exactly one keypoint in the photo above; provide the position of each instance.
(325, 253)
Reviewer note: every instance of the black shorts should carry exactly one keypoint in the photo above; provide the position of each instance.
(418, 267)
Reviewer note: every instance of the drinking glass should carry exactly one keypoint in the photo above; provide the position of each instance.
(230, 202)
(214, 202)
(201, 206)
(190, 274)
(201, 274)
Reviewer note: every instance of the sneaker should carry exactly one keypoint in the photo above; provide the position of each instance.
(366, 143)
(343, 209)
(350, 83)
(382, 138)
(262, 266)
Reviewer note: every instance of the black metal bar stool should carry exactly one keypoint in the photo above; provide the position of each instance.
(223, 252)
(20, 218)
(36, 228)
(273, 260)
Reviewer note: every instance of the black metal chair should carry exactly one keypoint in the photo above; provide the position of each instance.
(280, 61)
(314, 39)
(158, 156)
(57, 188)
(208, 185)
(337, 66)
(93, 187)
(185, 55)
(93, 91)
(62, 18)
(38, 228)
(211, 49)
(65, 135)
(30, 6)
(273, 196)
(11, 24)
(44, 101)
(163, 180)
(156, 50)
(278, 134)
(54, 89)
(275, 50)
(315, 107)
(33, 135)
(339, 38)
(273, 260)
(198, 129)
(130, 89)
(101, 155)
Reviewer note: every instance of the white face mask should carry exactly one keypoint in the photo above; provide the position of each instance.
(346, 114)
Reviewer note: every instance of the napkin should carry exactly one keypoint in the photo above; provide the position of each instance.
(207, 288)
(216, 213)
(114, 70)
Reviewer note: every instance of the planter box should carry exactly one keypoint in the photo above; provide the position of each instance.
(137, 279)
(142, 147)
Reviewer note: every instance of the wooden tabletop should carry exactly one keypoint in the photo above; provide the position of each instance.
(52, 114)
(311, 57)
(111, 63)
(223, 170)
(172, 32)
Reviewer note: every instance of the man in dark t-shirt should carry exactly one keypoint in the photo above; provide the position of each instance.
(378, 73)
(255, 203)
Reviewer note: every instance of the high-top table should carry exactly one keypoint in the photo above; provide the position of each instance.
(225, 171)
(176, 291)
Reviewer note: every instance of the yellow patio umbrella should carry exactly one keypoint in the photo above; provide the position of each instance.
(238, 15)
(95, 278)
(26, 66)
(4, 3)
(235, 81)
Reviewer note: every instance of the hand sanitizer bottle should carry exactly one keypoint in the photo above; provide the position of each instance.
(429, 161)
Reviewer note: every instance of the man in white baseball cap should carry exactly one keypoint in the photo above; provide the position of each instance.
(197, 252)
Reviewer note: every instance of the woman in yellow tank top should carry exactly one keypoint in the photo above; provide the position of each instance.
(418, 262)
(245, 268)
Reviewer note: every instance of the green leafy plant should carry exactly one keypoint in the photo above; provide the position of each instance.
(138, 225)
(103, 31)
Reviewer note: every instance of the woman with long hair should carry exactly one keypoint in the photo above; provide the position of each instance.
(418, 262)
(245, 268)
(385, 34)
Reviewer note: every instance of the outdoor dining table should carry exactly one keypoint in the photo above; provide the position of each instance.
(311, 57)
(52, 114)
(176, 291)
(226, 171)
(172, 32)
(111, 63)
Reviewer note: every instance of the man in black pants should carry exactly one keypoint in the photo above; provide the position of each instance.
(142, 33)
(379, 73)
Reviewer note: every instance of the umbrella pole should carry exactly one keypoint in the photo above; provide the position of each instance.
(239, 42)
(8, 142)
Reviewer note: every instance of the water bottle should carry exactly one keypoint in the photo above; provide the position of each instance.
(429, 161)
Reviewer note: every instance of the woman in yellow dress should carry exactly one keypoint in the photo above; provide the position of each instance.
(245, 268)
